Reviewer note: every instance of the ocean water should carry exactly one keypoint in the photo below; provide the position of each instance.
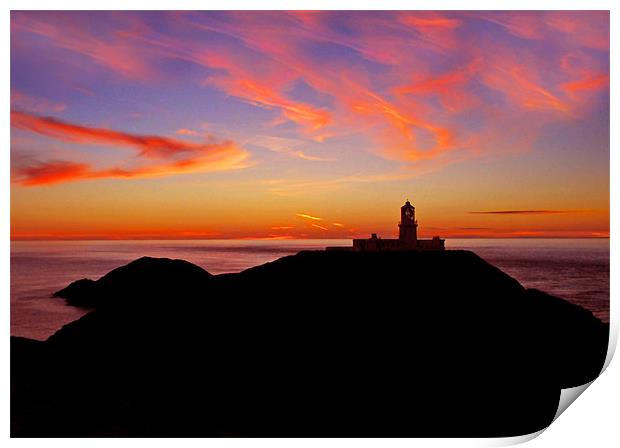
(574, 269)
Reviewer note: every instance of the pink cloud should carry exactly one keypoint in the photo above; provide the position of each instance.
(431, 71)
(22, 100)
(587, 84)
(70, 32)
(157, 156)
(184, 131)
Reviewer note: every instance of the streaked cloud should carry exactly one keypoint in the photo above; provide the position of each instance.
(184, 131)
(111, 50)
(310, 217)
(524, 212)
(589, 83)
(150, 146)
(303, 155)
(319, 227)
(34, 104)
(156, 156)
(286, 146)
(259, 59)
(263, 95)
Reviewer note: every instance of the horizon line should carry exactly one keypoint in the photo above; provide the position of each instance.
(468, 237)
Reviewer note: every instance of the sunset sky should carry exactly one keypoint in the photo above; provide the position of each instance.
(308, 124)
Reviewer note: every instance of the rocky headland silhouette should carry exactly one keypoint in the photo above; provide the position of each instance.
(319, 344)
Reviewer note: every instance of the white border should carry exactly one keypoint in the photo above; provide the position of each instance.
(592, 421)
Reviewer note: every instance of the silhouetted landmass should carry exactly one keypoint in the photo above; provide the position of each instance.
(146, 278)
(340, 344)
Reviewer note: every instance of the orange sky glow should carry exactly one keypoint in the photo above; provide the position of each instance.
(289, 124)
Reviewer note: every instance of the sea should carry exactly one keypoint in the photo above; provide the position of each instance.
(574, 269)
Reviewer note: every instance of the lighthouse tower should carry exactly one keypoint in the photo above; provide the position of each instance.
(408, 227)
(407, 237)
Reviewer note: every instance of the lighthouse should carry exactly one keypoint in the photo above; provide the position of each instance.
(407, 237)
(408, 226)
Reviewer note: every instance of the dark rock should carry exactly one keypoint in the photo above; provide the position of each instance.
(143, 279)
(81, 293)
(321, 344)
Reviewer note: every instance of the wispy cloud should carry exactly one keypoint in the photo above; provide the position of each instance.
(407, 82)
(310, 217)
(149, 145)
(189, 132)
(263, 95)
(156, 156)
(112, 50)
(283, 187)
(412, 126)
(524, 212)
(303, 155)
(319, 227)
(24, 101)
(286, 146)
(588, 83)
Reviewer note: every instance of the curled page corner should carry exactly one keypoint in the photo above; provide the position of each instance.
(509, 441)
(568, 396)
(613, 343)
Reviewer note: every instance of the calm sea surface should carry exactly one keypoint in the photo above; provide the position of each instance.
(574, 269)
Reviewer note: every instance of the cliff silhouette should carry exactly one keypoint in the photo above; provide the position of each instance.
(319, 344)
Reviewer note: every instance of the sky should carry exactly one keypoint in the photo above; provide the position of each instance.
(313, 124)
